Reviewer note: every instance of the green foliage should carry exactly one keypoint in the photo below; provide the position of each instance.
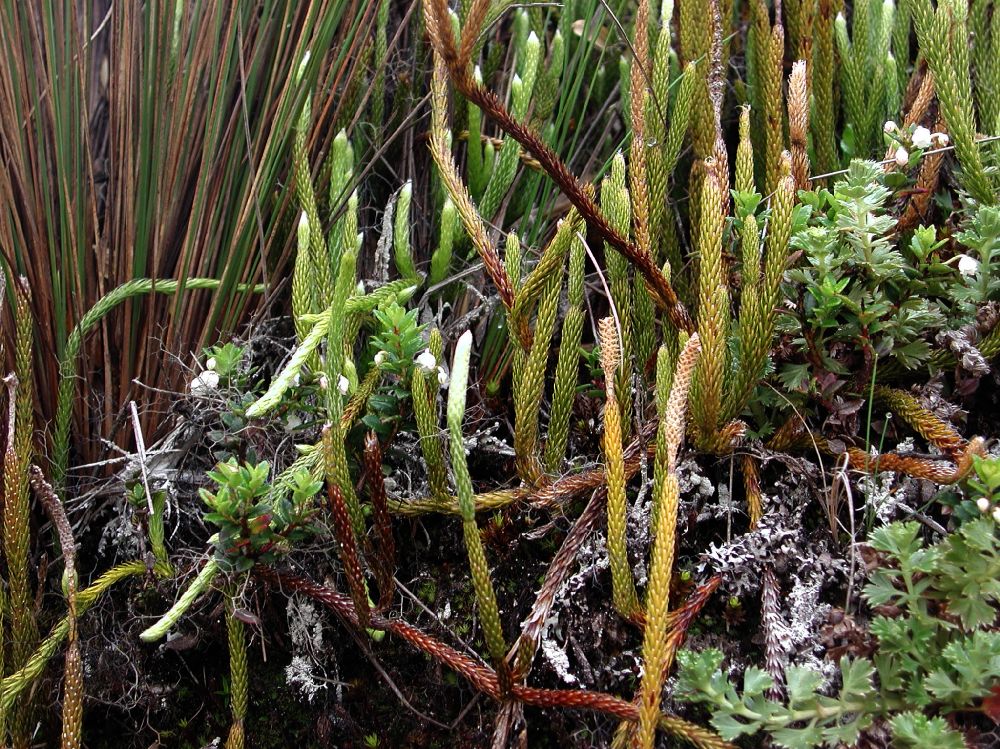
(225, 361)
(987, 481)
(396, 342)
(981, 278)
(913, 730)
(863, 295)
(868, 75)
(399, 338)
(937, 652)
(254, 524)
(959, 573)
(808, 719)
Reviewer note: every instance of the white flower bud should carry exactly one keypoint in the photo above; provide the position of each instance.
(205, 382)
(442, 377)
(211, 363)
(426, 360)
(890, 126)
(343, 384)
(996, 514)
(921, 138)
(967, 266)
(941, 138)
(380, 358)
(983, 504)
(902, 156)
(324, 383)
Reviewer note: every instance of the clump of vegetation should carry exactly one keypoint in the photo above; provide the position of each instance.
(935, 649)
(641, 313)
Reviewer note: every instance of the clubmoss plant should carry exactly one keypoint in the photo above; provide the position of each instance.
(942, 35)
(380, 53)
(656, 652)
(201, 583)
(522, 88)
(625, 599)
(16, 508)
(696, 21)
(317, 258)
(340, 164)
(663, 108)
(616, 203)
(545, 283)
(401, 234)
(14, 684)
(821, 74)
(479, 166)
(238, 675)
(303, 302)
(985, 38)
(424, 387)
(868, 73)
(768, 50)
(442, 255)
(713, 311)
(482, 583)
(568, 364)
(335, 369)
(72, 713)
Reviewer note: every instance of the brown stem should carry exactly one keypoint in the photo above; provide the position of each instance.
(559, 569)
(482, 677)
(348, 551)
(439, 30)
(386, 556)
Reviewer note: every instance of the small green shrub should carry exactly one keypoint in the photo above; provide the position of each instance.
(937, 649)
(255, 524)
(863, 294)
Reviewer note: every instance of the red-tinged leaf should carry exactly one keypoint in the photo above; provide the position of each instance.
(991, 704)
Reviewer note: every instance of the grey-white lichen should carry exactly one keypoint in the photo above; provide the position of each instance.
(305, 627)
(300, 674)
